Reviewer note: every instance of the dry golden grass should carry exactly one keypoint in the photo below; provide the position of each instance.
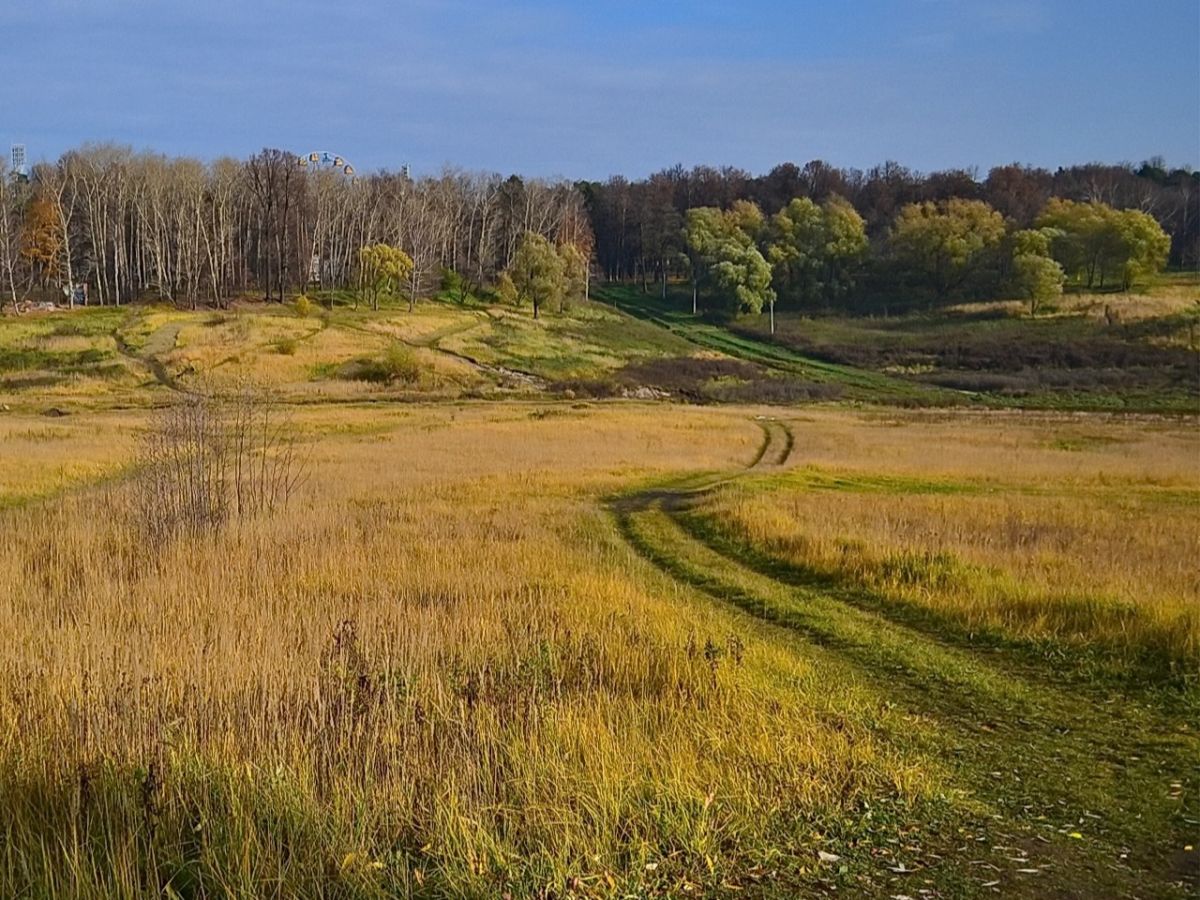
(41, 456)
(426, 323)
(302, 357)
(438, 667)
(1077, 529)
(68, 362)
(1134, 306)
(440, 671)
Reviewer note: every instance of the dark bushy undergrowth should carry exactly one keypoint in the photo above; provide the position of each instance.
(1000, 354)
(685, 373)
(702, 380)
(775, 391)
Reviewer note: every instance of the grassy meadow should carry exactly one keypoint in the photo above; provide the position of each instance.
(1067, 537)
(105, 357)
(1095, 352)
(521, 633)
(1105, 352)
(626, 344)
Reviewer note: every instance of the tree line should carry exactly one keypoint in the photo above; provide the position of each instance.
(642, 227)
(124, 225)
(808, 254)
(135, 226)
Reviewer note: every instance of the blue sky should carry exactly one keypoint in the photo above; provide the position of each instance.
(610, 86)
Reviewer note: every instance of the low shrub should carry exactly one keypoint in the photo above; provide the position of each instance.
(398, 364)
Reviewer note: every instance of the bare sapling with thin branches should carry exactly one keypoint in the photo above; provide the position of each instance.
(210, 460)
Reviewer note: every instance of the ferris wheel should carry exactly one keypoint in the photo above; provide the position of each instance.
(323, 159)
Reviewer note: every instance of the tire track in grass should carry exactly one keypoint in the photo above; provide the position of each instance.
(763, 447)
(1100, 793)
(788, 443)
(1015, 656)
(161, 340)
(777, 443)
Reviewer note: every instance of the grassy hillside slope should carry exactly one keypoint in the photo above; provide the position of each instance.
(623, 343)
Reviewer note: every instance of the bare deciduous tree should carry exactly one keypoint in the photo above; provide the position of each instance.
(14, 194)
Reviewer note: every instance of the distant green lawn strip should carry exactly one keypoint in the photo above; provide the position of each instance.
(863, 385)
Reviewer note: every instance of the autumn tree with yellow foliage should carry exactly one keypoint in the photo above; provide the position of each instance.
(383, 269)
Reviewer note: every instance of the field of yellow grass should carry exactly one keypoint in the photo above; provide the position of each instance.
(1062, 533)
(42, 456)
(1168, 300)
(435, 668)
(443, 670)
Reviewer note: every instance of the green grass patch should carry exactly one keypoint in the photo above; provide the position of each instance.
(858, 384)
(71, 362)
(819, 479)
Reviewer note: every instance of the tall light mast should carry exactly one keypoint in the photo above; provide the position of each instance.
(20, 165)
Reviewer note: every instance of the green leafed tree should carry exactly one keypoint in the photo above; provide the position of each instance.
(741, 275)
(383, 269)
(815, 250)
(702, 228)
(943, 244)
(1084, 244)
(726, 257)
(796, 250)
(1036, 276)
(537, 274)
(846, 246)
(1098, 245)
(1144, 246)
(748, 219)
(575, 273)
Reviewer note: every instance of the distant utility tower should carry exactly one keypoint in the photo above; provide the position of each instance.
(20, 166)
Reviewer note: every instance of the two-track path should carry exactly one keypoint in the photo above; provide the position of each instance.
(1088, 793)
